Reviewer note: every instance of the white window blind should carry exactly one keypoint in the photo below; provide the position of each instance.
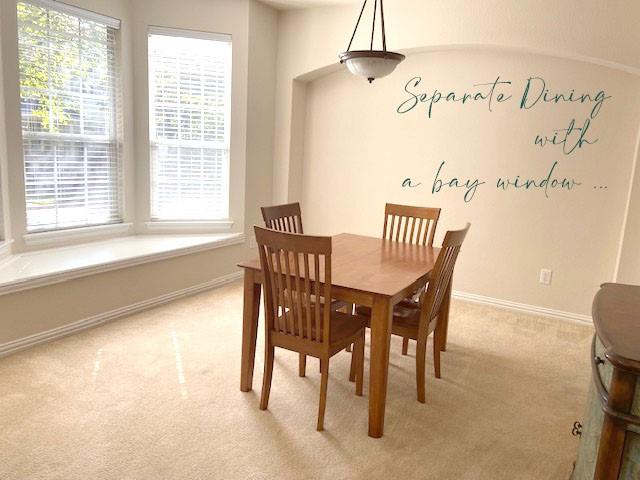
(189, 105)
(69, 118)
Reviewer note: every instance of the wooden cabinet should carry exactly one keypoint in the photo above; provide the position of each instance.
(610, 442)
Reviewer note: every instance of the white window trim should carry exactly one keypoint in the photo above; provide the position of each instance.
(5, 248)
(77, 11)
(181, 32)
(179, 226)
(89, 232)
(56, 237)
(167, 226)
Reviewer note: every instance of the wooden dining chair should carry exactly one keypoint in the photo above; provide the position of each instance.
(284, 218)
(410, 224)
(297, 270)
(420, 320)
(288, 218)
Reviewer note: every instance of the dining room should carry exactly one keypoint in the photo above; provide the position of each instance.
(324, 239)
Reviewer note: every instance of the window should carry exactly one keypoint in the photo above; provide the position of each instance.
(189, 111)
(68, 97)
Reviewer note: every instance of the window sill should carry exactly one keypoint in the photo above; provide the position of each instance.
(45, 267)
(56, 237)
(189, 226)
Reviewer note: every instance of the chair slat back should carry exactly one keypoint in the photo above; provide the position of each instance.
(284, 218)
(409, 224)
(441, 276)
(297, 274)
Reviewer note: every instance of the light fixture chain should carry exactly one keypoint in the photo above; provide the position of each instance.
(373, 23)
(357, 23)
(384, 34)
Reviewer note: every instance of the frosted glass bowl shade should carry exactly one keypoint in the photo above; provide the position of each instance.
(371, 64)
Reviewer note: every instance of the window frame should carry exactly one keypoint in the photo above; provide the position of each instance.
(155, 225)
(59, 235)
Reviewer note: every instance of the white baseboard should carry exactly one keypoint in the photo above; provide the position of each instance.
(521, 307)
(27, 342)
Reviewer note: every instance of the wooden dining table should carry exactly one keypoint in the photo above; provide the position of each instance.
(368, 271)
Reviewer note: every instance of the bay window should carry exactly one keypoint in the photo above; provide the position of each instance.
(189, 125)
(68, 100)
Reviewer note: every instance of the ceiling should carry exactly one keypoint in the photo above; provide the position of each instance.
(291, 4)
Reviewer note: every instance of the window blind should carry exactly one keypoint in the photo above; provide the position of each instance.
(68, 87)
(189, 105)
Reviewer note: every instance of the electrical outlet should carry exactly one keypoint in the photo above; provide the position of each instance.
(252, 242)
(545, 276)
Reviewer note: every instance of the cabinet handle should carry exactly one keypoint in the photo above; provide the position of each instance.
(576, 431)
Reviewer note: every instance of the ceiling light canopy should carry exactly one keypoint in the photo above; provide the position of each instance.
(371, 64)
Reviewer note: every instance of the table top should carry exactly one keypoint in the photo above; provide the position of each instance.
(616, 316)
(374, 265)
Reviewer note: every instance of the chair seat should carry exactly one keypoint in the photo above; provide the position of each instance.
(406, 317)
(335, 304)
(343, 326)
(405, 309)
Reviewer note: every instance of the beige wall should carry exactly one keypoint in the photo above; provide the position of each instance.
(35, 311)
(263, 37)
(253, 27)
(311, 39)
(559, 34)
(358, 150)
(629, 254)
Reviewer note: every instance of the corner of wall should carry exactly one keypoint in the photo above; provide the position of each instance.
(296, 140)
(261, 87)
(627, 269)
(5, 227)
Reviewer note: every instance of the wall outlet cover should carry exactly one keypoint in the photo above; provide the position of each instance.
(545, 276)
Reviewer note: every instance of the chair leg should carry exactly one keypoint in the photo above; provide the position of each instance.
(405, 345)
(437, 344)
(266, 379)
(352, 369)
(421, 353)
(324, 367)
(348, 308)
(302, 364)
(359, 351)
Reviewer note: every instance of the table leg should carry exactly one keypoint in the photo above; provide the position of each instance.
(379, 364)
(252, 290)
(443, 321)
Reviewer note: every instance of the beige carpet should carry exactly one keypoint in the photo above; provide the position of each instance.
(156, 396)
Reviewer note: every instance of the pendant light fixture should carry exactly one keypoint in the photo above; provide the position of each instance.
(371, 64)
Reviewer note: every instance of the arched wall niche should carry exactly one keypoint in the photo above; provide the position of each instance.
(621, 258)
(309, 39)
